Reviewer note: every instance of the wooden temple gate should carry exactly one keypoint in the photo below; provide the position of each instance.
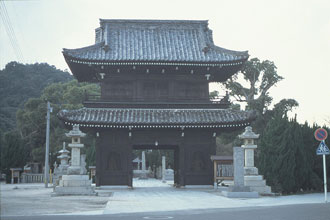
(154, 78)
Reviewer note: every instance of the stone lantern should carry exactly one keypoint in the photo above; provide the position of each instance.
(63, 167)
(76, 182)
(75, 134)
(248, 137)
(64, 156)
(251, 178)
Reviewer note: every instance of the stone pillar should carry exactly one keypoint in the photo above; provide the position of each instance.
(238, 167)
(239, 190)
(144, 169)
(143, 160)
(163, 169)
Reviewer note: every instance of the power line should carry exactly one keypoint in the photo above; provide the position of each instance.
(10, 31)
(18, 0)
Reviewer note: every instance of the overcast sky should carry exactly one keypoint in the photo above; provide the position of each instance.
(293, 34)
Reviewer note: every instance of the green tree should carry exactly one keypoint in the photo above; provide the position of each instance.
(19, 82)
(285, 159)
(214, 94)
(314, 161)
(13, 152)
(260, 76)
(32, 124)
(268, 151)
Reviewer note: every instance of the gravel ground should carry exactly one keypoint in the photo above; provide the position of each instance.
(35, 199)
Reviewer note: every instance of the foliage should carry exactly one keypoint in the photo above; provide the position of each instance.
(261, 76)
(31, 121)
(19, 82)
(286, 156)
(214, 94)
(154, 157)
(13, 152)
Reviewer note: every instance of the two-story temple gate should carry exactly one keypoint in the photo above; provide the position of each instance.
(154, 77)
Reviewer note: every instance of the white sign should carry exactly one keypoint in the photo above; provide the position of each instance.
(322, 149)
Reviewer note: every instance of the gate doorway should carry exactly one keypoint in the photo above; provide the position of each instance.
(153, 161)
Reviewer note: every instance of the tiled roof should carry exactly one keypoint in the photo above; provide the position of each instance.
(169, 117)
(155, 41)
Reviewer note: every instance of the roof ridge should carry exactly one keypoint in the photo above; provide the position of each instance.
(65, 50)
(159, 21)
(234, 52)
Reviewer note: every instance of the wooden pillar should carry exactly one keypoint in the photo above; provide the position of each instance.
(98, 164)
(182, 173)
(130, 163)
(12, 176)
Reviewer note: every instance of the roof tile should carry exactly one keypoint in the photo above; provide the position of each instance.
(120, 116)
(153, 40)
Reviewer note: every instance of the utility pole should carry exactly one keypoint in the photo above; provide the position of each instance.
(46, 178)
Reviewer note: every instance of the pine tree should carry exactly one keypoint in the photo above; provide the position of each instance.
(268, 151)
(315, 162)
(285, 163)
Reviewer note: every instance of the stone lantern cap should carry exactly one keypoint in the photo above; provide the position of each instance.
(64, 151)
(248, 134)
(75, 132)
(63, 156)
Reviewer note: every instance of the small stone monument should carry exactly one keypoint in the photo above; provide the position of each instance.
(143, 160)
(239, 190)
(251, 177)
(76, 182)
(144, 170)
(163, 169)
(169, 174)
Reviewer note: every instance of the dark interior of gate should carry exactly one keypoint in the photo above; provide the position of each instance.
(192, 153)
(172, 158)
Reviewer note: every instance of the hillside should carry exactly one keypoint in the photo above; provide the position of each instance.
(19, 82)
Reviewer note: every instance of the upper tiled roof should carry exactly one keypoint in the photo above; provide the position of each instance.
(168, 117)
(155, 41)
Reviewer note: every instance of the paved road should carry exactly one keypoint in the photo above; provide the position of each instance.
(288, 212)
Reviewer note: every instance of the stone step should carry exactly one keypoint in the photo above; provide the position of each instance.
(250, 171)
(240, 194)
(261, 189)
(75, 177)
(254, 182)
(75, 183)
(257, 177)
(60, 191)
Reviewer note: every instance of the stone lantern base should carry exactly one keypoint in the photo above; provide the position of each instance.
(258, 184)
(74, 185)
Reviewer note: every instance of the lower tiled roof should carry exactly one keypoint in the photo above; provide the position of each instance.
(129, 117)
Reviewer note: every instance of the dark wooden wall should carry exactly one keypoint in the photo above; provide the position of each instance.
(151, 88)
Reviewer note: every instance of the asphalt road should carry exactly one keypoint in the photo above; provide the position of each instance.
(288, 212)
